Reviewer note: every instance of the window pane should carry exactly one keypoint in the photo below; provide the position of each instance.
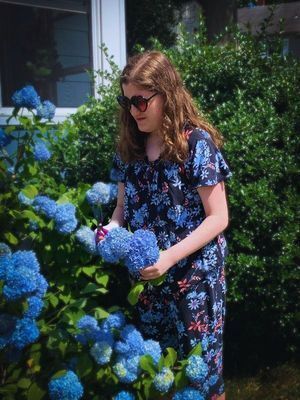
(49, 49)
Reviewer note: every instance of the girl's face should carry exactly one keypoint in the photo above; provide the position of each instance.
(149, 121)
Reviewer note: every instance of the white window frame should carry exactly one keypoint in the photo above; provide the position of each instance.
(103, 13)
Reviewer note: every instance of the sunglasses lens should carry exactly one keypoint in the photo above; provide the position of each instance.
(124, 102)
(140, 103)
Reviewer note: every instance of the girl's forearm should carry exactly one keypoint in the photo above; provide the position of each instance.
(117, 218)
(211, 227)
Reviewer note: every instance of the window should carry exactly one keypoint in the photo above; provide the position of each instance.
(49, 48)
(52, 43)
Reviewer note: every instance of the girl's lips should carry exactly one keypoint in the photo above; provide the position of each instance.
(140, 119)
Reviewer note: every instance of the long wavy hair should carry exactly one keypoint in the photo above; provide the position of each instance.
(153, 71)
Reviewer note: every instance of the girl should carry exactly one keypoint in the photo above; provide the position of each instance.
(171, 181)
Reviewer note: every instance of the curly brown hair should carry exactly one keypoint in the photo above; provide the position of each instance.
(153, 71)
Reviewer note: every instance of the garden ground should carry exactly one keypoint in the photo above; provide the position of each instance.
(277, 383)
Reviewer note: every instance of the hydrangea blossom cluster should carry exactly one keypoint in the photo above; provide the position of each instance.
(4, 138)
(41, 152)
(115, 246)
(163, 380)
(101, 193)
(138, 250)
(86, 237)
(63, 214)
(23, 282)
(26, 97)
(112, 340)
(196, 369)
(46, 110)
(66, 387)
(124, 395)
(24, 199)
(65, 219)
(188, 394)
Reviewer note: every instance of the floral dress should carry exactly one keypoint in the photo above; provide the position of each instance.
(189, 307)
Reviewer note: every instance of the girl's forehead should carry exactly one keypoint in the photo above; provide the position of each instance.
(135, 90)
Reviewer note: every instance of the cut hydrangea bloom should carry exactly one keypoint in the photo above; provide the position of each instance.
(86, 237)
(66, 387)
(143, 251)
(101, 193)
(115, 246)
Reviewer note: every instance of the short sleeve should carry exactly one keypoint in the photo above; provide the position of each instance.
(117, 172)
(206, 164)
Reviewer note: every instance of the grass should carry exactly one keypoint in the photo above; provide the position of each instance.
(278, 383)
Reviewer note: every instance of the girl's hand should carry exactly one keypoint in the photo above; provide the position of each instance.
(101, 231)
(163, 264)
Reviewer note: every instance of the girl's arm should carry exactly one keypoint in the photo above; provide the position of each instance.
(216, 211)
(117, 218)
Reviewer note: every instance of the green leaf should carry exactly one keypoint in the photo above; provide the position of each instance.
(92, 287)
(53, 299)
(30, 191)
(24, 383)
(158, 281)
(171, 357)
(89, 271)
(100, 313)
(85, 365)
(147, 364)
(32, 169)
(135, 292)
(35, 392)
(11, 238)
(102, 279)
(196, 351)
(180, 380)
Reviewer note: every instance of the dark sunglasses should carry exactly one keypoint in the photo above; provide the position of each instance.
(140, 102)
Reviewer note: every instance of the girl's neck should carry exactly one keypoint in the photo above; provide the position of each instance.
(154, 145)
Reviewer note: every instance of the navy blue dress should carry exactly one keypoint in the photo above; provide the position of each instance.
(189, 307)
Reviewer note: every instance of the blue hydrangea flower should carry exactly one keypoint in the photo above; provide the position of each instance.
(19, 282)
(4, 138)
(24, 199)
(4, 250)
(115, 246)
(124, 395)
(26, 97)
(46, 110)
(7, 326)
(153, 348)
(131, 343)
(25, 332)
(188, 394)
(41, 286)
(163, 380)
(86, 237)
(35, 306)
(196, 369)
(89, 329)
(113, 321)
(26, 259)
(41, 152)
(65, 220)
(127, 368)
(101, 352)
(143, 251)
(66, 387)
(45, 205)
(101, 193)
